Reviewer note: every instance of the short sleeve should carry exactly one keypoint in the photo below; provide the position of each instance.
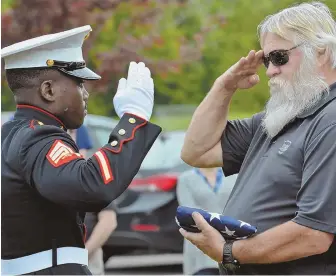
(236, 140)
(112, 206)
(315, 198)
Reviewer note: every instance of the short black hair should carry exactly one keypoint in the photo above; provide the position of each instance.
(23, 78)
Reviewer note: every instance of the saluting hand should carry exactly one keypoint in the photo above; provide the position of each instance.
(209, 240)
(241, 75)
(136, 93)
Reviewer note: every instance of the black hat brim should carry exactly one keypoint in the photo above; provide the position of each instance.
(83, 73)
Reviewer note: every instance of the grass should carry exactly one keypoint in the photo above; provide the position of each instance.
(170, 123)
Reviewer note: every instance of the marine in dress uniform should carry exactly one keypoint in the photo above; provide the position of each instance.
(47, 186)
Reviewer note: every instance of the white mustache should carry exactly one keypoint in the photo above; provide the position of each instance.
(276, 82)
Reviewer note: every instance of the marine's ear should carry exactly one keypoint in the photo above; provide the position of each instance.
(47, 91)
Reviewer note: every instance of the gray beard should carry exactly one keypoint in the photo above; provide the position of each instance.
(290, 99)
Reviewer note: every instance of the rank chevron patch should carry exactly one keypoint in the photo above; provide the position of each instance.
(60, 154)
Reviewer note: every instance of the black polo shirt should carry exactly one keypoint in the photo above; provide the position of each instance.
(291, 177)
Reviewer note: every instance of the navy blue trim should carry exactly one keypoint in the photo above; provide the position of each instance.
(219, 179)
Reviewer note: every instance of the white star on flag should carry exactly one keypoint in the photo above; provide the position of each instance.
(228, 232)
(244, 223)
(178, 223)
(214, 215)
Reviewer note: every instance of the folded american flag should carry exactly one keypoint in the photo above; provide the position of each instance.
(229, 227)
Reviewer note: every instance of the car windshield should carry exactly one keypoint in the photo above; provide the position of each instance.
(165, 153)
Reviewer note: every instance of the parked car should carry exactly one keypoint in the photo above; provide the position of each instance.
(99, 128)
(5, 116)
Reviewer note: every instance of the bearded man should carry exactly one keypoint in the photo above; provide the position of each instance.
(285, 155)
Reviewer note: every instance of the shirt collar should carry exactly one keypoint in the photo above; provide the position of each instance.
(328, 97)
(39, 114)
(219, 177)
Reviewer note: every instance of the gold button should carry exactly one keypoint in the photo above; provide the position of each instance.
(50, 62)
(132, 120)
(122, 131)
(114, 143)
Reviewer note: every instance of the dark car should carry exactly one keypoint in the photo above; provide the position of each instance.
(146, 210)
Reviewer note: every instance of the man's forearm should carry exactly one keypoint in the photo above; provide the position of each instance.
(207, 124)
(99, 236)
(286, 242)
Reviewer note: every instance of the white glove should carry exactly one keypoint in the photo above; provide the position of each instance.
(136, 94)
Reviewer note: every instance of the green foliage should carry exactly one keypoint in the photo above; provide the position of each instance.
(7, 4)
(7, 99)
(231, 34)
(169, 123)
(224, 46)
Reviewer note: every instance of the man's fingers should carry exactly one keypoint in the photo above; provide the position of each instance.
(252, 60)
(201, 223)
(147, 72)
(132, 69)
(149, 86)
(144, 72)
(122, 84)
(138, 69)
(250, 56)
(259, 55)
(192, 237)
(258, 58)
(141, 65)
(254, 79)
(236, 68)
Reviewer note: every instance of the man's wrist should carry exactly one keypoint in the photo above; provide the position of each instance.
(219, 87)
(219, 256)
(228, 258)
(137, 114)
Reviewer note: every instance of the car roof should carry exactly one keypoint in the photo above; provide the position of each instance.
(97, 120)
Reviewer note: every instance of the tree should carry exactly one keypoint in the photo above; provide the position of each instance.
(187, 44)
(123, 30)
(224, 46)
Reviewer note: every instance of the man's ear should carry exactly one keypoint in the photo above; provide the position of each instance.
(323, 57)
(47, 91)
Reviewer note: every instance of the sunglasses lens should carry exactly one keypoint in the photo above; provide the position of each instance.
(266, 61)
(279, 58)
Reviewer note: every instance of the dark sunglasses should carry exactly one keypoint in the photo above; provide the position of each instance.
(278, 57)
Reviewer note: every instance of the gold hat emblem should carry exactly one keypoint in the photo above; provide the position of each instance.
(50, 62)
